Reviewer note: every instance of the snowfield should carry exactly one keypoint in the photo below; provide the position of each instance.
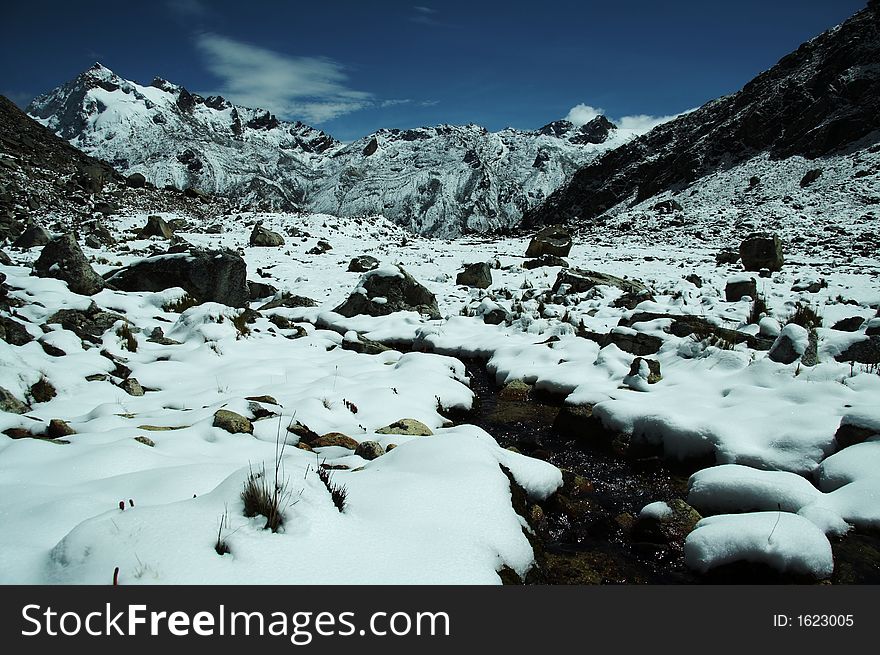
(436, 508)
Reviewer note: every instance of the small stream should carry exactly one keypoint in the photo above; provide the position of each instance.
(598, 535)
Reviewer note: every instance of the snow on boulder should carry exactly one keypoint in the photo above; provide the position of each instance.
(790, 345)
(552, 240)
(732, 487)
(786, 542)
(206, 275)
(388, 289)
(857, 462)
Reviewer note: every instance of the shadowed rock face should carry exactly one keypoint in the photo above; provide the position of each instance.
(384, 292)
(206, 275)
(63, 259)
(816, 100)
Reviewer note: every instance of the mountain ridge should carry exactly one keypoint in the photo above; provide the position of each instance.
(443, 180)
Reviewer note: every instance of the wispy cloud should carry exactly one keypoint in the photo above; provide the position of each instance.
(312, 88)
(424, 15)
(637, 123)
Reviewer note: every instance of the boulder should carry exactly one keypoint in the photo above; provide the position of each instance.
(289, 301)
(156, 227)
(851, 324)
(362, 264)
(552, 240)
(544, 260)
(63, 259)
(739, 287)
(667, 207)
(132, 387)
(136, 181)
(232, 422)
(866, 351)
(58, 429)
(647, 369)
(477, 275)
(726, 257)
(406, 426)
(761, 250)
(264, 238)
(369, 450)
(88, 324)
(206, 275)
(811, 176)
(33, 236)
(334, 439)
(386, 290)
(790, 345)
(11, 404)
(668, 525)
(13, 332)
(579, 281)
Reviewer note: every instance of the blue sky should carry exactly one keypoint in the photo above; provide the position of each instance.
(353, 67)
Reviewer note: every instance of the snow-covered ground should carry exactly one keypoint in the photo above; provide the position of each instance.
(435, 509)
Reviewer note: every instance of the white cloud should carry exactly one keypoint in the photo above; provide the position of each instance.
(581, 114)
(313, 88)
(637, 124)
(424, 15)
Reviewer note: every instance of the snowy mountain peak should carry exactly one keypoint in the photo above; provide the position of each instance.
(441, 180)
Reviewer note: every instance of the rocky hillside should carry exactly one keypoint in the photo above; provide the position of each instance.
(441, 181)
(820, 100)
(44, 178)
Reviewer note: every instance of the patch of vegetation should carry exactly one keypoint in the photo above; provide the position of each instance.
(264, 498)
(181, 304)
(125, 333)
(338, 493)
(759, 309)
(805, 316)
(240, 323)
(43, 391)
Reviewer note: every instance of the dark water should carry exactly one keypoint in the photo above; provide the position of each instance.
(601, 528)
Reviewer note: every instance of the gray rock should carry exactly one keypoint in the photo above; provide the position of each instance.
(33, 236)
(736, 290)
(63, 259)
(289, 301)
(851, 324)
(785, 350)
(13, 332)
(362, 264)
(232, 422)
(264, 238)
(544, 260)
(385, 293)
(369, 450)
(579, 281)
(11, 404)
(132, 387)
(406, 426)
(866, 351)
(552, 240)
(206, 275)
(88, 324)
(136, 181)
(156, 227)
(477, 275)
(761, 250)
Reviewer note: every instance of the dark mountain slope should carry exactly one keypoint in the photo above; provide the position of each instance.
(821, 98)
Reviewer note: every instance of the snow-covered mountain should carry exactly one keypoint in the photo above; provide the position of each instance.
(178, 138)
(442, 180)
